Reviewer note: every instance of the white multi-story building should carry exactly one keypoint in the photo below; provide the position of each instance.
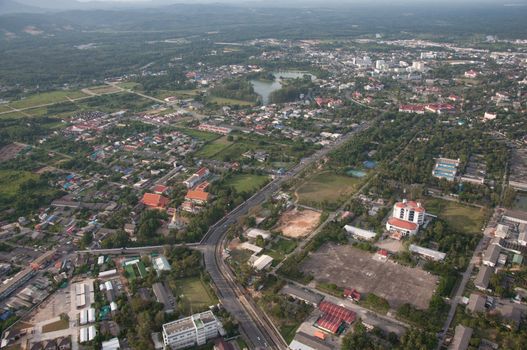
(406, 217)
(190, 331)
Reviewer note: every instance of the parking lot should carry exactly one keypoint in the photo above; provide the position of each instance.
(350, 267)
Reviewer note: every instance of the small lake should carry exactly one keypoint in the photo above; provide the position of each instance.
(356, 173)
(264, 88)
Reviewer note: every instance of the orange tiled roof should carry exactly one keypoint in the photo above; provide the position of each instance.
(407, 225)
(155, 200)
(197, 196)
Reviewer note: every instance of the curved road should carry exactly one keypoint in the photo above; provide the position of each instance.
(255, 325)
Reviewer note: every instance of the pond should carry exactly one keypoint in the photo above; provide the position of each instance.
(356, 173)
(264, 88)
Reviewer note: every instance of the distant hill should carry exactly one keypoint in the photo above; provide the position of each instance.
(12, 6)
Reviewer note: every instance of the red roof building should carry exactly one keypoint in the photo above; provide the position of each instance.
(198, 197)
(155, 201)
(335, 310)
(329, 323)
(160, 189)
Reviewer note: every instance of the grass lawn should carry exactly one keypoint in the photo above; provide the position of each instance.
(247, 182)
(280, 249)
(47, 97)
(202, 135)
(10, 181)
(460, 217)
(195, 293)
(229, 101)
(289, 332)
(128, 85)
(55, 326)
(327, 187)
(214, 147)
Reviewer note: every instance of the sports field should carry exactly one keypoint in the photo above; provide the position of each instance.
(460, 217)
(195, 295)
(326, 188)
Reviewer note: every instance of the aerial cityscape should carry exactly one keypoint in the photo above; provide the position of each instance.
(234, 174)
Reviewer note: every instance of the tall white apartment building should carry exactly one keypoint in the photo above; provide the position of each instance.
(406, 218)
(190, 331)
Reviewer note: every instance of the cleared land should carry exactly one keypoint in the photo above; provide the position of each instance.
(10, 151)
(247, 182)
(298, 223)
(461, 218)
(350, 267)
(326, 187)
(280, 249)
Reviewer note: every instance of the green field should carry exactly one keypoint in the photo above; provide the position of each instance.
(195, 294)
(247, 182)
(213, 148)
(202, 135)
(327, 187)
(229, 101)
(47, 97)
(10, 181)
(460, 217)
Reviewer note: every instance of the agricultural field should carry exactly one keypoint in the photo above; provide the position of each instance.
(194, 293)
(246, 182)
(229, 101)
(461, 218)
(47, 98)
(326, 189)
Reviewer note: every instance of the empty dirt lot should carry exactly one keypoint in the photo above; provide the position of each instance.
(298, 223)
(347, 266)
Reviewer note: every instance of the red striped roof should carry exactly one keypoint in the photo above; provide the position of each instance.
(329, 323)
(337, 311)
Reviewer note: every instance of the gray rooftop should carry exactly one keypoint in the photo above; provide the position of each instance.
(303, 341)
(302, 294)
(461, 338)
(483, 277)
(476, 303)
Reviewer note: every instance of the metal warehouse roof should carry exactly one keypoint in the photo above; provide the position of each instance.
(337, 311)
(329, 323)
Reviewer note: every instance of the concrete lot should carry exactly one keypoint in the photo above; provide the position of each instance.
(347, 266)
